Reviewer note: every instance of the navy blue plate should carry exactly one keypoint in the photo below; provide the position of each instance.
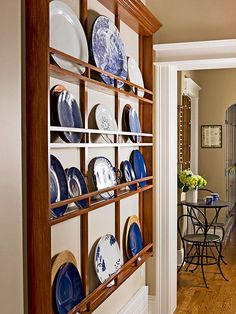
(139, 166)
(107, 49)
(77, 185)
(68, 288)
(135, 239)
(66, 113)
(128, 173)
(58, 186)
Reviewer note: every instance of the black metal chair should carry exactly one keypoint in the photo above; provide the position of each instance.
(215, 225)
(200, 247)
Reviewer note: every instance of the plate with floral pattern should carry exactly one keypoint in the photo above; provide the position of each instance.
(107, 50)
(105, 121)
(107, 258)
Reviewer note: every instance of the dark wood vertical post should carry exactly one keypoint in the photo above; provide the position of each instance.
(37, 169)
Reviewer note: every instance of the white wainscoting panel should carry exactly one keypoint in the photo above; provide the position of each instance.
(138, 304)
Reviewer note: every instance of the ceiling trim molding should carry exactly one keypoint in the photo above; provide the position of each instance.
(199, 50)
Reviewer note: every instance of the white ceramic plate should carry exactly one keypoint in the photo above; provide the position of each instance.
(104, 176)
(135, 75)
(107, 258)
(67, 35)
(105, 121)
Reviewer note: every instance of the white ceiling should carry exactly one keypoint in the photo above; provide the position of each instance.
(194, 20)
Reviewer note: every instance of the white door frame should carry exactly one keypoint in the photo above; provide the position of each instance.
(171, 58)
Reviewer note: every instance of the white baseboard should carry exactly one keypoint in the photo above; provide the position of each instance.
(151, 304)
(138, 304)
(180, 256)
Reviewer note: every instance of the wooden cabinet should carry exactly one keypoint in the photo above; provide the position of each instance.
(37, 148)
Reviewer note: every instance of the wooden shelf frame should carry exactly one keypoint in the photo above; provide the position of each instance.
(37, 205)
(75, 78)
(118, 195)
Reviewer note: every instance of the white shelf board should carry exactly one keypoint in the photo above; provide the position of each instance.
(97, 145)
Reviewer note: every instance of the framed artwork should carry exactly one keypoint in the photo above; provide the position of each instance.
(211, 136)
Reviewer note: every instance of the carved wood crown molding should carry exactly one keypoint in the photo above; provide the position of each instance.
(135, 14)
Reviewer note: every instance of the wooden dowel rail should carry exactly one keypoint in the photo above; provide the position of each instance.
(98, 192)
(75, 78)
(94, 68)
(124, 272)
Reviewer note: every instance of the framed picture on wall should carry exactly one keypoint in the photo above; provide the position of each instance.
(211, 136)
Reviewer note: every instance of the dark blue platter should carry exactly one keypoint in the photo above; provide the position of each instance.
(135, 239)
(68, 288)
(139, 166)
(58, 186)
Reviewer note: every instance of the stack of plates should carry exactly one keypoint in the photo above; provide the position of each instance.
(102, 175)
(66, 283)
(131, 122)
(67, 35)
(133, 242)
(107, 259)
(107, 50)
(65, 112)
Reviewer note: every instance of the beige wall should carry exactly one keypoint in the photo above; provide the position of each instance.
(11, 270)
(192, 20)
(217, 94)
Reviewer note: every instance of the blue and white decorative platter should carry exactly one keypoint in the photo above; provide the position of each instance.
(104, 175)
(67, 35)
(107, 49)
(58, 186)
(68, 288)
(139, 166)
(76, 185)
(128, 173)
(134, 125)
(135, 239)
(107, 258)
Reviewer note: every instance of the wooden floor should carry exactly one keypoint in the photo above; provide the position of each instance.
(220, 297)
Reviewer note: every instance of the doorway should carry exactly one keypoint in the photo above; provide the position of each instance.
(171, 58)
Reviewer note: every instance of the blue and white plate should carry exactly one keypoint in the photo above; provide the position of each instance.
(134, 125)
(135, 239)
(66, 112)
(58, 186)
(107, 49)
(68, 288)
(105, 121)
(104, 175)
(107, 258)
(128, 173)
(76, 185)
(139, 166)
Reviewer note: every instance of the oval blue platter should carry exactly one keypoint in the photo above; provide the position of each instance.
(139, 166)
(68, 288)
(107, 50)
(76, 185)
(128, 173)
(135, 239)
(58, 186)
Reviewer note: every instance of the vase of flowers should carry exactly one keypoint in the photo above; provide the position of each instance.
(189, 183)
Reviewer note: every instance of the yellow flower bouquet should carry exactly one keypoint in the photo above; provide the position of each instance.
(188, 180)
